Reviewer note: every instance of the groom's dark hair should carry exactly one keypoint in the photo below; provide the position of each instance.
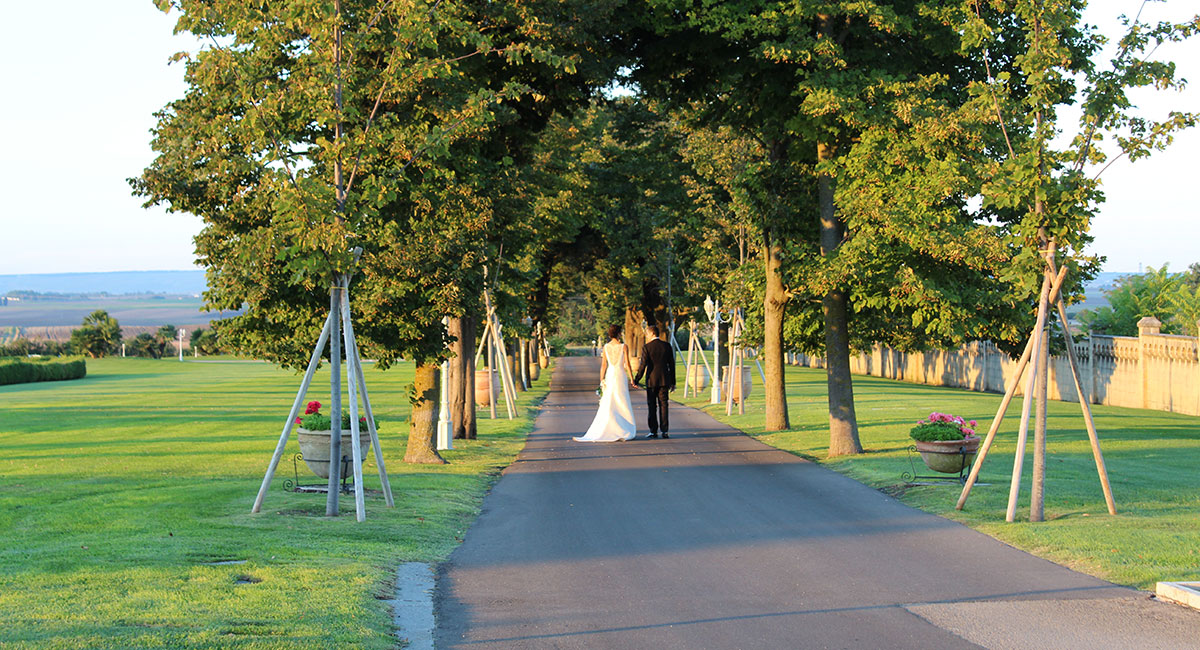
(614, 332)
(653, 329)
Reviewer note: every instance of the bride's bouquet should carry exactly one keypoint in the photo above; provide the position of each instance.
(600, 390)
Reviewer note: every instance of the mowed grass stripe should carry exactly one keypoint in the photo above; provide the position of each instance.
(1152, 460)
(118, 492)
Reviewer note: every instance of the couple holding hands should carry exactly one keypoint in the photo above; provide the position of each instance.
(614, 417)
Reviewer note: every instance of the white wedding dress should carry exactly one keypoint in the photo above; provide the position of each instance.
(614, 418)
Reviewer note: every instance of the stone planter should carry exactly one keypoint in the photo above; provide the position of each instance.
(483, 383)
(314, 446)
(697, 377)
(543, 360)
(740, 389)
(946, 455)
(535, 371)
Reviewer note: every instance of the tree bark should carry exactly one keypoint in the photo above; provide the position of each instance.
(843, 424)
(470, 325)
(774, 305)
(635, 337)
(456, 377)
(422, 425)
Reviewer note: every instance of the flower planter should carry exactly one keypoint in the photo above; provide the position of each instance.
(535, 371)
(946, 456)
(697, 377)
(314, 447)
(543, 360)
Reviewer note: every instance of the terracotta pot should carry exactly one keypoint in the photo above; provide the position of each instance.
(535, 371)
(697, 377)
(314, 446)
(946, 455)
(746, 384)
(543, 360)
(483, 381)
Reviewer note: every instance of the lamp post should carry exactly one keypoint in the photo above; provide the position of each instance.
(445, 432)
(713, 310)
(181, 333)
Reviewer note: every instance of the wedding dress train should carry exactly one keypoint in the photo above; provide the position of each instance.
(614, 417)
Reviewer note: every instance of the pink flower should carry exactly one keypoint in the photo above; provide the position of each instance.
(972, 423)
(297, 420)
(313, 407)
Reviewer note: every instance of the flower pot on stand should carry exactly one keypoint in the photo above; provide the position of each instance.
(314, 447)
(948, 456)
(697, 378)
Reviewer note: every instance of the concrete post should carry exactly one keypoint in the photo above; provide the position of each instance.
(1146, 326)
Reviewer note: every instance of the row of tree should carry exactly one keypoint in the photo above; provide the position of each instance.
(842, 171)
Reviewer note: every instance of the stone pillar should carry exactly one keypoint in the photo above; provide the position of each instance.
(1146, 326)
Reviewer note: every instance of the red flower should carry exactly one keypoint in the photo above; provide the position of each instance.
(313, 407)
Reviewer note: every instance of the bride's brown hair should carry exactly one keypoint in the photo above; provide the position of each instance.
(614, 332)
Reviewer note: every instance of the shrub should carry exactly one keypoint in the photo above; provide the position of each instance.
(942, 426)
(314, 420)
(23, 371)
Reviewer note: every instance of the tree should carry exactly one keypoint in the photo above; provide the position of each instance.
(310, 131)
(99, 335)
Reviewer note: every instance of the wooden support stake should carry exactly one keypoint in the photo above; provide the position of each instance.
(1093, 437)
(313, 362)
(356, 459)
(1008, 395)
(1023, 434)
(335, 396)
(366, 399)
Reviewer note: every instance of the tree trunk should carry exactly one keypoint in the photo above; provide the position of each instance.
(511, 356)
(774, 305)
(456, 379)
(469, 328)
(422, 425)
(843, 425)
(635, 337)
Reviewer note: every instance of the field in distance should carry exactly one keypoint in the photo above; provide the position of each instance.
(53, 318)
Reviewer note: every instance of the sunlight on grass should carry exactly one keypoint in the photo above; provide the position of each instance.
(1151, 456)
(119, 492)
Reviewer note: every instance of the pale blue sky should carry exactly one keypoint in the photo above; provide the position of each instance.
(82, 79)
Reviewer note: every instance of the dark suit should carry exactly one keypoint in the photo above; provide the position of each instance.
(658, 365)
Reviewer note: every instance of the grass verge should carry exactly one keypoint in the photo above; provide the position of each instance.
(125, 511)
(1151, 456)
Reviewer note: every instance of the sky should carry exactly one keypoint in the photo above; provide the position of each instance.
(79, 113)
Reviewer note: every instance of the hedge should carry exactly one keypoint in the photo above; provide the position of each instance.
(21, 371)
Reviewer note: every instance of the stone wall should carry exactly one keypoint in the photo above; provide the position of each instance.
(1151, 370)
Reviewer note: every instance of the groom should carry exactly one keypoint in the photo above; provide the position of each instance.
(658, 364)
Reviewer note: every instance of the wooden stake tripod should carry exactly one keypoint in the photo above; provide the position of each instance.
(496, 356)
(338, 329)
(1052, 280)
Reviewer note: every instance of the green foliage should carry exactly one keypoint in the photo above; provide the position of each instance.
(21, 347)
(310, 130)
(941, 426)
(205, 341)
(99, 335)
(25, 370)
(1157, 292)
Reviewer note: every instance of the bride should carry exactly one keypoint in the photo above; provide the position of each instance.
(614, 418)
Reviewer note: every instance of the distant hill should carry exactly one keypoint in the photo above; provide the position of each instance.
(115, 282)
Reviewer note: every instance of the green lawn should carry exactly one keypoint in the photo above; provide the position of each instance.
(120, 494)
(1153, 461)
